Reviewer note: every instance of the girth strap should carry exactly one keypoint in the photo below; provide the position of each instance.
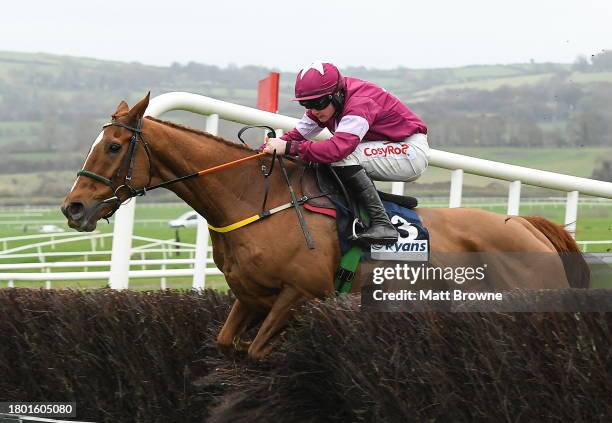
(255, 218)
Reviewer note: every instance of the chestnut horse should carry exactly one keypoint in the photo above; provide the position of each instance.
(267, 264)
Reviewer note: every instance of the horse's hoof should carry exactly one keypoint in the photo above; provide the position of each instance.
(259, 353)
(240, 345)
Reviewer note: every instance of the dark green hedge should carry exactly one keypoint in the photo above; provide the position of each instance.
(122, 356)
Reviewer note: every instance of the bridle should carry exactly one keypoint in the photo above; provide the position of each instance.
(117, 199)
(127, 179)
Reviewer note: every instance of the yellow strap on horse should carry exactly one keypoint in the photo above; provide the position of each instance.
(248, 220)
(236, 225)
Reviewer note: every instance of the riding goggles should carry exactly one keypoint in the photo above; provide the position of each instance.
(317, 103)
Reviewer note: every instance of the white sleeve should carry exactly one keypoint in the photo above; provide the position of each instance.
(307, 127)
(353, 124)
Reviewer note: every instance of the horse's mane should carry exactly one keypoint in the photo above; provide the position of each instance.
(198, 132)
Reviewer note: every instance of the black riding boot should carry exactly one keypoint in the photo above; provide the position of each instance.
(381, 231)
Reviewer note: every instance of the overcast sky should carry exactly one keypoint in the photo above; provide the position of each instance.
(288, 34)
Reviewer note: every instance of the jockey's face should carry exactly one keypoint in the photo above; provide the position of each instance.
(325, 114)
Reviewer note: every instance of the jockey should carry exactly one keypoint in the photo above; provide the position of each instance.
(375, 136)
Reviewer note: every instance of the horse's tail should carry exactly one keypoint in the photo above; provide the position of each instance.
(576, 269)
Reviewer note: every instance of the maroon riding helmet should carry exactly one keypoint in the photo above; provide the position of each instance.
(316, 80)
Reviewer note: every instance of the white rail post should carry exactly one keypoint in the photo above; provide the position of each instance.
(514, 198)
(397, 188)
(163, 267)
(122, 245)
(163, 283)
(199, 267)
(456, 188)
(571, 212)
(48, 282)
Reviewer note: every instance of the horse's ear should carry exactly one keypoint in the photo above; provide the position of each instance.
(122, 110)
(138, 110)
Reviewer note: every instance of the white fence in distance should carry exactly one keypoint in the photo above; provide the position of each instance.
(165, 247)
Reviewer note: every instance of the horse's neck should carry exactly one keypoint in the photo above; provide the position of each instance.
(222, 197)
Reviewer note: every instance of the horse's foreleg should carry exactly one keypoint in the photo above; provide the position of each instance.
(277, 318)
(239, 320)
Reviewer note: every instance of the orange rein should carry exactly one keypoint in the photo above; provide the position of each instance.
(229, 164)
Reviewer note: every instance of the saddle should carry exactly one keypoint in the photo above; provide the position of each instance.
(327, 195)
(326, 191)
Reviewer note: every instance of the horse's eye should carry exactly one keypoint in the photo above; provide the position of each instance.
(113, 148)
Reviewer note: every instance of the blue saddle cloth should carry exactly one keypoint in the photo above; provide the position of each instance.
(413, 242)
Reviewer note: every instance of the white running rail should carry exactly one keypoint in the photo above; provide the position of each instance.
(9, 259)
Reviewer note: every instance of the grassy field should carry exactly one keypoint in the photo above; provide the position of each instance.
(594, 223)
(569, 161)
(487, 80)
(485, 84)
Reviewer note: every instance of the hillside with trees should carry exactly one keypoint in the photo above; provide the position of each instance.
(51, 107)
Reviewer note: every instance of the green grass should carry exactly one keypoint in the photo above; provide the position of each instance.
(23, 126)
(41, 156)
(157, 230)
(485, 84)
(492, 78)
(144, 284)
(473, 72)
(49, 63)
(548, 126)
(486, 72)
(570, 161)
(15, 132)
(588, 77)
(221, 92)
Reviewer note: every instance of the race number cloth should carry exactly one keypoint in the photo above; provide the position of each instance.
(412, 244)
(413, 241)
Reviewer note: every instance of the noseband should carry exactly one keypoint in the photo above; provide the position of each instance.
(127, 179)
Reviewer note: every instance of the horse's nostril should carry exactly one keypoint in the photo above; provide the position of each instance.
(74, 210)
